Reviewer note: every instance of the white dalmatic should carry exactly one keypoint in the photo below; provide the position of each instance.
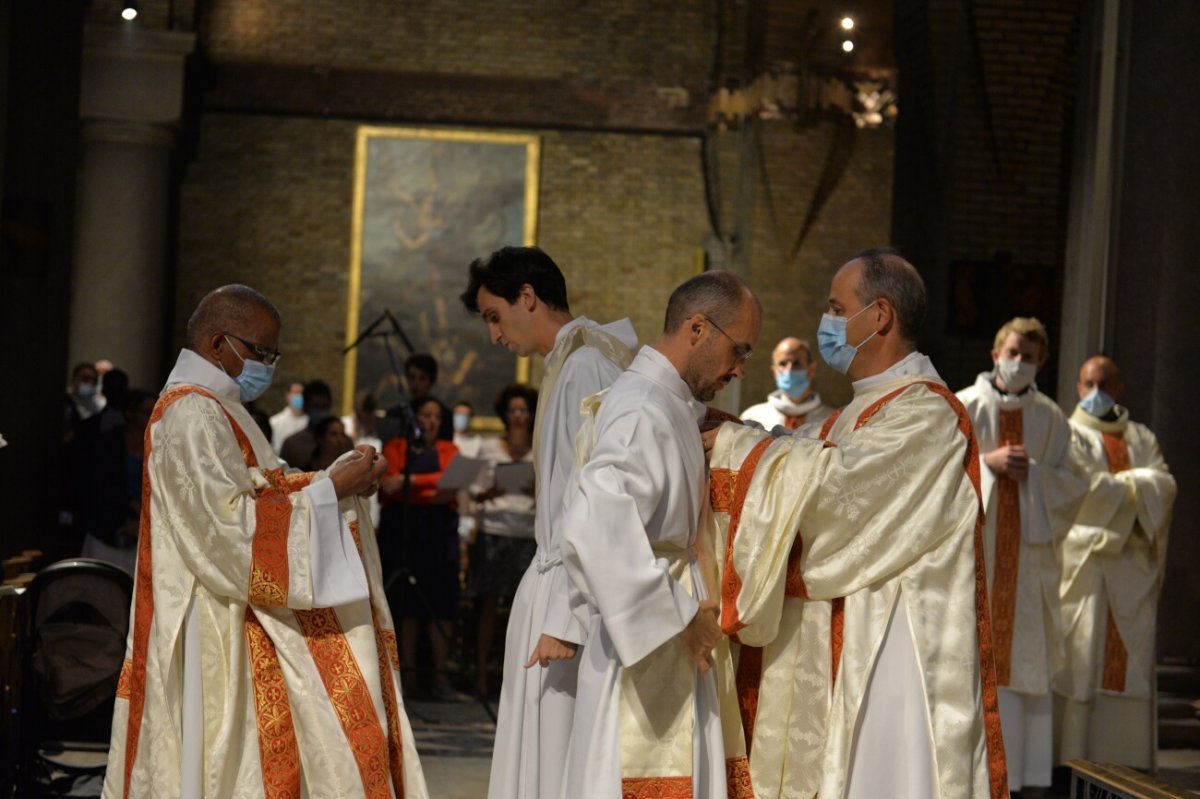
(1113, 563)
(537, 704)
(646, 723)
(1025, 519)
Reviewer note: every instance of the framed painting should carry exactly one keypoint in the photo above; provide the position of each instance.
(427, 202)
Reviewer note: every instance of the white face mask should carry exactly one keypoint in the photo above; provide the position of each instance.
(1015, 375)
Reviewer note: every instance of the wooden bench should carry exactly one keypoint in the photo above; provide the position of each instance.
(1108, 781)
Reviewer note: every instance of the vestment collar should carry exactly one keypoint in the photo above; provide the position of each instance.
(193, 370)
(784, 404)
(1009, 402)
(654, 366)
(1085, 419)
(915, 365)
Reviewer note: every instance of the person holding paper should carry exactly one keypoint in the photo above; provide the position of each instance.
(504, 546)
(427, 549)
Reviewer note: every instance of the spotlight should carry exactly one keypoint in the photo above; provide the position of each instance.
(129, 12)
(848, 46)
(847, 23)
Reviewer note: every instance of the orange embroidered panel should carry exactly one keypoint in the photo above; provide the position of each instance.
(269, 572)
(829, 423)
(731, 583)
(278, 751)
(721, 483)
(1116, 452)
(1116, 658)
(124, 682)
(747, 681)
(737, 778)
(388, 665)
(656, 788)
(1008, 551)
(350, 697)
(994, 737)
(794, 586)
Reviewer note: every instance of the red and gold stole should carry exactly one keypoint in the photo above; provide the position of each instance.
(1116, 658)
(1008, 551)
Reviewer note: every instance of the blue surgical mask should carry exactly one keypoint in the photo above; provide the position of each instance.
(86, 390)
(296, 401)
(461, 422)
(255, 378)
(793, 382)
(831, 340)
(1097, 403)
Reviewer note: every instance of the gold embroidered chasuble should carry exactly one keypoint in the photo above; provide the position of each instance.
(1113, 563)
(295, 699)
(823, 533)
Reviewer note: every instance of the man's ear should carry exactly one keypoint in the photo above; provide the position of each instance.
(888, 321)
(696, 325)
(528, 298)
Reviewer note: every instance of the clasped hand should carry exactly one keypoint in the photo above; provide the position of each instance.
(701, 635)
(1011, 460)
(358, 476)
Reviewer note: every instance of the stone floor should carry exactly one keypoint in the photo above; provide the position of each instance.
(455, 742)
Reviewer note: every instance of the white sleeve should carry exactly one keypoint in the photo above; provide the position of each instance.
(338, 577)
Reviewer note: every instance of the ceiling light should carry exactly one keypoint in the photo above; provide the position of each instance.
(847, 23)
(129, 12)
(848, 46)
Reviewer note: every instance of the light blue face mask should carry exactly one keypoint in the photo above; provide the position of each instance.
(461, 422)
(793, 382)
(255, 378)
(831, 340)
(1097, 403)
(296, 401)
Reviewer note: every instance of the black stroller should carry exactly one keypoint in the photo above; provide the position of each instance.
(76, 621)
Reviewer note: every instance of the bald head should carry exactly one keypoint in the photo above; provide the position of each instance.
(225, 309)
(1100, 372)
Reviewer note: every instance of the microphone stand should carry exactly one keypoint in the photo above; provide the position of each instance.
(411, 434)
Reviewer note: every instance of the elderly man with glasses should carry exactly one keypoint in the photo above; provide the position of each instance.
(261, 656)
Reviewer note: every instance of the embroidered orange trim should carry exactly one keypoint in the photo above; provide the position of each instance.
(350, 698)
(747, 681)
(656, 788)
(269, 572)
(731, 583)
(1116, 452)
(737, 778)
(1116, 658)
(994, 737)
(830, 422)
(792, 422)
(1008, 552)
(793, 585)
(721, 485)
(124, 682)
(278, 751)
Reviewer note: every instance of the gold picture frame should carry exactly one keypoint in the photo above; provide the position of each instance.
(427, 202)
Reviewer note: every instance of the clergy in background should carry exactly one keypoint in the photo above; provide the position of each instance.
(1113, 561)
(522, 297)
(853, 571)
(794, 402)
(646, 718)
(262, 656)
(1031, 492)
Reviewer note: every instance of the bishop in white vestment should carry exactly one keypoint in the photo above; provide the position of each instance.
(262, 656)
(1112, 561)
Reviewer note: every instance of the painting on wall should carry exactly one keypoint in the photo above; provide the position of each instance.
(426, 203)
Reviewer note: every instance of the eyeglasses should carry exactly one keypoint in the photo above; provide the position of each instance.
(741, 352)
(268, 357)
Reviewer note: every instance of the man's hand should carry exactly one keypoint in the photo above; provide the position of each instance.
(701, 635)
(1010, 460)
(709, 437)
(358, 476)
(550, 648)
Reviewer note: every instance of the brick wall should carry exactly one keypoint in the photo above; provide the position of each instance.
(267, 196)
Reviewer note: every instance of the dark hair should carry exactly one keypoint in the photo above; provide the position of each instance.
(510, 393)
(115, 386)
(506, 270)
(322, 427)
(316, 388)
(423, 362)
(222, 308)
(466, 404)
(79, 367)
(885, 274)
(716, 295)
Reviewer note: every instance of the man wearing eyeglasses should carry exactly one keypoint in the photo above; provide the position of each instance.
(646, 715)
(794, 402)
(853, 572)
(261, 656)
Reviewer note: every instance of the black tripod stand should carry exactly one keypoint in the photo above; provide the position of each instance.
(412, 435)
